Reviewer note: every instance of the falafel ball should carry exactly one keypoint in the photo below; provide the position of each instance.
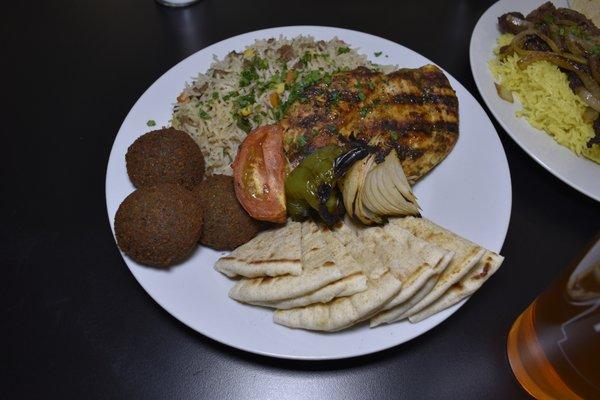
(165, 156)
(160, 225)
(226, 224)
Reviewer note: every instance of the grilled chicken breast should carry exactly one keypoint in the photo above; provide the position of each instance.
(414, 111)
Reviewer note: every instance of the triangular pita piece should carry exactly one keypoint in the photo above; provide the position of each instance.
(344, 287)
(485, 268)
(324, 260)
(271, 253)
(363, 253)
(466, 255)
(343, 312)
(407, 305)
(412, 260)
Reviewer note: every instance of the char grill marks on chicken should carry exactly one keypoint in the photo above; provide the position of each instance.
(414, 111)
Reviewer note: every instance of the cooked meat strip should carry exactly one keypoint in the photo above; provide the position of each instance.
(541, 13)
(512, 22)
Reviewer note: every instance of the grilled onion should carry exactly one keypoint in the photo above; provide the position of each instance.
(372, 191)
(504, 93)
(586, 96)
(589, 115)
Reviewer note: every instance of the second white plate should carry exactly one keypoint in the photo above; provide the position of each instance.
(578, 172)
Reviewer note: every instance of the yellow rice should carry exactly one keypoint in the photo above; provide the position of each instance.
(548, 102)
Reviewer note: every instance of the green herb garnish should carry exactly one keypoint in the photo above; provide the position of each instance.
(230, 95)
(203, 114)
(548, 18)
(394, 135)
(305, 59)
(364, 111)
(343, 49)
(331, 128)
(577, 31)
(215, 95)
(242, 123)
(361, 96)
(378, 53)
(151, 122)
(301, 140)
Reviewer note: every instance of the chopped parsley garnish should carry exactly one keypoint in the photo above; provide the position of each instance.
(577, 31)
(364, 111)
(334, 96)
(244, 101)
(249, 74)
(203, 114)
(261, 63)
(230, 95)
(312, 77)
(378, 53)
(301, 140)
(243, 123)
(394, 135)
(331, 128)
(151, 122)
(257, 119)
(371, 85)
(361, 96)
(215, 95)
(343, 49)
(595, 50)
(305, 59)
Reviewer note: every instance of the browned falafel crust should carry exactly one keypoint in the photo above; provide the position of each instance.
(165, 156)
(226, 224)
(160, 225)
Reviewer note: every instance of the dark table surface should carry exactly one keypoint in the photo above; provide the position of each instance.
(76, 324)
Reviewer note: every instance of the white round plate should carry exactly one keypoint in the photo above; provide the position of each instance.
(578, 172)
(469, 193)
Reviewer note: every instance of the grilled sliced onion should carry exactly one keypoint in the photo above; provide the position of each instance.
(590, 84)
(372, 191)
(589, 99)
(504, 93)
(589, 115)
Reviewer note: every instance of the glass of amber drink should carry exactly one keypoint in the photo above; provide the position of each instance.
(554, 345)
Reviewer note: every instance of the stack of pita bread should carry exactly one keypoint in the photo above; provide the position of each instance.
(325, 279)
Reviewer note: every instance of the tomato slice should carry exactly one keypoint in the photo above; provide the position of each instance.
(259, 174)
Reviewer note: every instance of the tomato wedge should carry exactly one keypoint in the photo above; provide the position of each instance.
(259, 174)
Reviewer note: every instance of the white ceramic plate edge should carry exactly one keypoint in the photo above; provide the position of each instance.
(481, 80)
(432, 321)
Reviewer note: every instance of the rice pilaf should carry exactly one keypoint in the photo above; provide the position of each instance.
(253, 88)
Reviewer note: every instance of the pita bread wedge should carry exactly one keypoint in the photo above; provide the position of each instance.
(342, 312)
(324, 261)
(364, 253)
(486, 267)
(408, 304)
(466, 256)
(412, 260)
(344, 287)
(271, 253)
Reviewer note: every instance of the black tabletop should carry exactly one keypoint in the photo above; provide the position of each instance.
(76, 324)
